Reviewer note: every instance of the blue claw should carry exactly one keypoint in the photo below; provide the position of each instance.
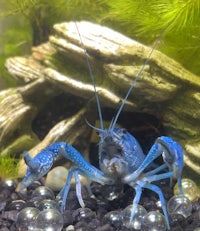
(173, 157)
(172, 154)
(154, 152)
(84, 167)
(39, 165)
(30, 162)
(43, 161)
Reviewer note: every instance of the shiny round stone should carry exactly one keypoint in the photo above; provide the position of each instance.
(48, 204)
(16, 205)
(154, 221)
(49, 220)
(56, 178)
(10, 183)
(176, 218)
(114, 218)
(179, 204)
(26, 218)
(43, 192)
(84, 214)
(111, 192)
(190, 189)
(137, 219)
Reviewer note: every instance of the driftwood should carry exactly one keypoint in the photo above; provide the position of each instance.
(60, 66)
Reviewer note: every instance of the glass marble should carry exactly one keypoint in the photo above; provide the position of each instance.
(48, 204)
(49, 220)
(43, 192)
(26, 218)
(115, 218)
(176, 218)
(179, 204)
(17, 205)
(138, 218)
(154, 221)
(111, 192)
(84, 214)
(190, 189)
(10, 183)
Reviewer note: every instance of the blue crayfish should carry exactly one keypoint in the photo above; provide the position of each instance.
(121, 160)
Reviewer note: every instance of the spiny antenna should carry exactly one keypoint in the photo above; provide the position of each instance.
(90, 72)
(134, 83)
(92, 77)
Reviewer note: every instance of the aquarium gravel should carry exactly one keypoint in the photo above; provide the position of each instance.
(100, 214)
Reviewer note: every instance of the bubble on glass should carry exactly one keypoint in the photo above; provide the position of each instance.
(48, 204)
(154, 221)
(43, 192)
(190, 189)
(26, 218)
(179, 204)
(49, 220)
(137, 219)
(111, 192)
(114, 218)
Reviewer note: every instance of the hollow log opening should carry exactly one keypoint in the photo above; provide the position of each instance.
(61, 107)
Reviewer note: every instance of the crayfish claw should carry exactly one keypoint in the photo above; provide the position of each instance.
(32, 163)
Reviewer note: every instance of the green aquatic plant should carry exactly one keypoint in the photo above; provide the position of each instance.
(144, 17)
(145, 20)
(8, 167)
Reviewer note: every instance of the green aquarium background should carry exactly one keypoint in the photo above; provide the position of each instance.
(27, 23)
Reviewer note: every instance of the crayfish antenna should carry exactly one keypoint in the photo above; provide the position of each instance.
(113, 122)
(93, 127)
(90, 72)
(92, 78)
